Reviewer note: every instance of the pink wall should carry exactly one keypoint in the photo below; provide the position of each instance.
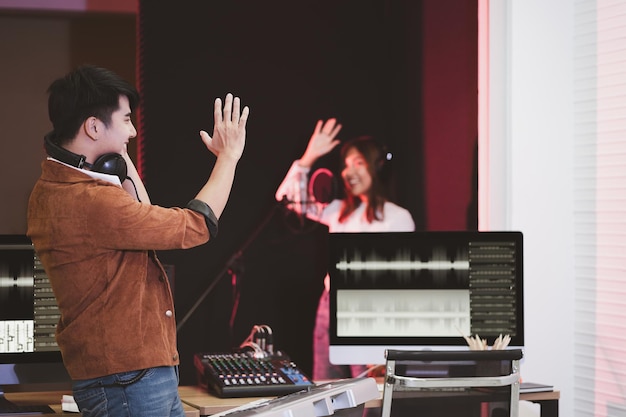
(450, 77)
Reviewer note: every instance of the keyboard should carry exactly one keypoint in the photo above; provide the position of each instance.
(8, 408)
(242, 375)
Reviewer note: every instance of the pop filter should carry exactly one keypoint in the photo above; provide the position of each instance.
(323, 186)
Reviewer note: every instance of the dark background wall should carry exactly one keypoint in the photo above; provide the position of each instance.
(37, 47)
(402, 70)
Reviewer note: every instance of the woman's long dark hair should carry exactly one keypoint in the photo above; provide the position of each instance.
(374, 155)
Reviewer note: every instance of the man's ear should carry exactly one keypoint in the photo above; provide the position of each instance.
(90, 125)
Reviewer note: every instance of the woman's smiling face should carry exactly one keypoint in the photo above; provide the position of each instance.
(356, 175)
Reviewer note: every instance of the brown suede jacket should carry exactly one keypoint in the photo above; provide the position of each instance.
(97, 246)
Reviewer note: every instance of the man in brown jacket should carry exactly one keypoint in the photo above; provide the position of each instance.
(95, 231)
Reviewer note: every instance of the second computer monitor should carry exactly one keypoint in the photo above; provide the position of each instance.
(422, 290)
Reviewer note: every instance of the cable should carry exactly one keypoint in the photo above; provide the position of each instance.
(269, 339)
(135, 187)
(257, 351)
(260, 340)
(373, 371)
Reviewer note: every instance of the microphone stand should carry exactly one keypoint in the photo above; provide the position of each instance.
(233, 266)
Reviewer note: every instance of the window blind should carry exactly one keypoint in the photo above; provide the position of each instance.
(600, 208)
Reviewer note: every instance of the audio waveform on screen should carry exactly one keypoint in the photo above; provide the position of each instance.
(28, 308)
(403, 261)
(437, 265)
(16, 285)
(402, 313)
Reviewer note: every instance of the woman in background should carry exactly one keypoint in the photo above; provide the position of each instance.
(364, 208)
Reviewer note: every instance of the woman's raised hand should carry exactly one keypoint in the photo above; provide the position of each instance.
(322, 141)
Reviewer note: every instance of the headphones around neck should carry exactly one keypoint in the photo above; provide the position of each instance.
(109, 163)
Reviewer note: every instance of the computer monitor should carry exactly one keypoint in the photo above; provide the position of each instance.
(422, 290)
(29, 356)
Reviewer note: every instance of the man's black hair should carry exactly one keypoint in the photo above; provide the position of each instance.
(87, 91)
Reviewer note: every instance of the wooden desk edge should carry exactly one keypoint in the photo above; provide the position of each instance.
(208, 404)
(53, 399)
(197, 402)
(540, 396)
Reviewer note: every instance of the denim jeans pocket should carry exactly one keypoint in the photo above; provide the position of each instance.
(90, 398)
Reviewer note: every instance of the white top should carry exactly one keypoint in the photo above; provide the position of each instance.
(395, 219)
(294, 190)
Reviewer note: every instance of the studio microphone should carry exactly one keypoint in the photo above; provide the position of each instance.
(310, 193)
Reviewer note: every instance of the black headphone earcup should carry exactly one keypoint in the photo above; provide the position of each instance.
(111, 163)
(383, 163)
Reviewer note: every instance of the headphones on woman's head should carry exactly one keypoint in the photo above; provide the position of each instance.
(383, 158)
(109, 163)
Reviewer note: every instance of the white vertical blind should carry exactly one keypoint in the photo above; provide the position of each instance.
(600, 208)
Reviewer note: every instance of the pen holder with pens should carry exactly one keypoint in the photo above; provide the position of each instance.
(476, 343)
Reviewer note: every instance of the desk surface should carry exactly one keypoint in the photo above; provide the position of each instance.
(53, 399)
(209, 404)
(198, 402)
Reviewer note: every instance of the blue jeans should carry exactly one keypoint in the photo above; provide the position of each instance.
(150, 392)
